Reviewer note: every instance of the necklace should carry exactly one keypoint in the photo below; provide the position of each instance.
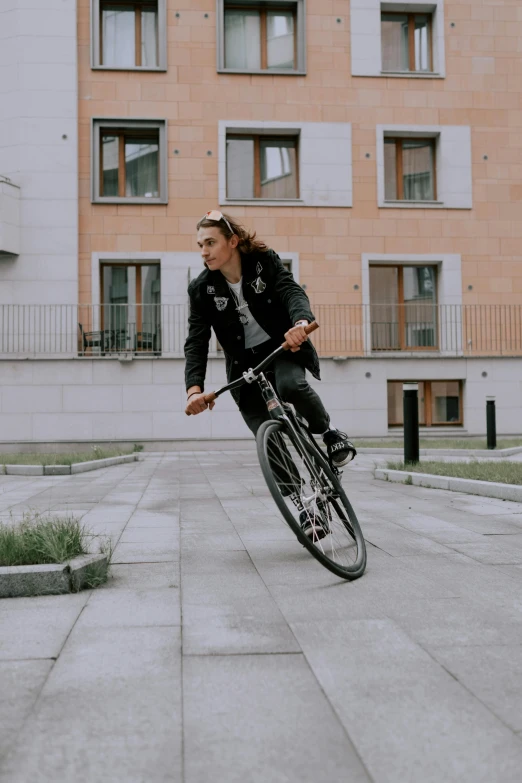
(240, 305)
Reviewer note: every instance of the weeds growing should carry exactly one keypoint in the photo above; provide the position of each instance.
(37, 540)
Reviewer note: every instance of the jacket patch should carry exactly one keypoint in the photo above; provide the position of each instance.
(259, 268)
(221, 302)
(258, 285)
(211, 289)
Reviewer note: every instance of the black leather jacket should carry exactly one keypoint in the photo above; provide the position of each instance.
(275, 300)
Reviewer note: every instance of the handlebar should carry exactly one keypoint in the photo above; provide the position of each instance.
(211, 396)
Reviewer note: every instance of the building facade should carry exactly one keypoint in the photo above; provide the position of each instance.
(376, 146)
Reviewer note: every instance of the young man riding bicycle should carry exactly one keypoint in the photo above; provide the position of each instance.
(253, 304)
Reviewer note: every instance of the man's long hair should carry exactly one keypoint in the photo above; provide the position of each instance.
(247, 240)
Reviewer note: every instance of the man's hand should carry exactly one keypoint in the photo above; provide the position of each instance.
(296, 336)
(196, 404)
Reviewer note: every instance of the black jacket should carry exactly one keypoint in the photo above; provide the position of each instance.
(275, 300)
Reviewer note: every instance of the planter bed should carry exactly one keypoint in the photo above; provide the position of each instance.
(66, 470)
(489, 489)
(55, 578)
(444, 452)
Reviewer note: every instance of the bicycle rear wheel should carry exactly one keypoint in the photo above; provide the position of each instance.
(299, 478)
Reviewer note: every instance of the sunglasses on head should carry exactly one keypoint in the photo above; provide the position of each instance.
(216, 216)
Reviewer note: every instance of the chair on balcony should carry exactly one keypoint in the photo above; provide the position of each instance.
(148, 342)
(96, 339)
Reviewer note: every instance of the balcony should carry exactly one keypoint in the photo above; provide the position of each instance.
(152, 330)
(9, 218)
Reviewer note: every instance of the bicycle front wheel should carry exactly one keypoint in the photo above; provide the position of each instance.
(303, 484)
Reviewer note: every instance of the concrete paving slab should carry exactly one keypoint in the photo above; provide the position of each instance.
(37, 627)
(154, 607)
(138, 670)
(501, 550)
(492, 674)
(228, 609)
(145, 519)
(20, 685)
(262, 718)
(145, 553)
(397, 541)
(150, 535)
(383, 685)
(456, 621)
(143, 576)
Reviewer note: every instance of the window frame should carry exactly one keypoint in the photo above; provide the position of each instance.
(365, 37)
(256, 138)
(299, 9)
(411, 41)
(399, 167)
(401, 310)
(127, 260)
(119, 126)
(428, 417)
(96, 37)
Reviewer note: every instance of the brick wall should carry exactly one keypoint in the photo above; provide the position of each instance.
(481, 90)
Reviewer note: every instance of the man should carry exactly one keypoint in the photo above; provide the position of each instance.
(253, 304)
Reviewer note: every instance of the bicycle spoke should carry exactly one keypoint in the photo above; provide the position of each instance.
(305, 487)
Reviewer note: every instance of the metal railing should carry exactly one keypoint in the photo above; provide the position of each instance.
(346, 330)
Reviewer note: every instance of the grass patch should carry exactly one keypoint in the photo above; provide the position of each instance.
(96, 452)
(37, 540)
(491, 470)
(442, 443)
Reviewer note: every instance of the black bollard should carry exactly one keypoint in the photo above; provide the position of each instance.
(411, 421)
(491, 422)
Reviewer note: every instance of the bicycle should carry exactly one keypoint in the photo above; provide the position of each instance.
(302, 480)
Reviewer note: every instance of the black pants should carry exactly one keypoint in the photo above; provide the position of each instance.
(287, 374)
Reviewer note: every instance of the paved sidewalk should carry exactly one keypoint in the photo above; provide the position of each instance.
(221, 652)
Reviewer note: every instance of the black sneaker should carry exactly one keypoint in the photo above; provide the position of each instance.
(340, 450)
(312, 524)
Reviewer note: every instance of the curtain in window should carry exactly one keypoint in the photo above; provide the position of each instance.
(242, 39)
(141, 168)
(420, 306)
(417, 161)
(240, 168)
(422, 46)
(384, 314)
(390, 170)
(394, 42)
(109, 151)
(149, 37)
(118, 36)
(280, 39)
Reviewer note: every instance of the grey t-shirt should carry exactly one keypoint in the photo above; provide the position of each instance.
(254, 334)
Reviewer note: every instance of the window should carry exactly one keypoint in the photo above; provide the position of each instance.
(424, 167)
(131, 307)
(409, 169)
(129, 162)
(403, 40)
(406, 41)
(282, 162)
(261, 37)
(440, 403)
(262, 167)
(403, 308)
(129, 34)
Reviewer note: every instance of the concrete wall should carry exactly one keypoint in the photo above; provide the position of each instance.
(85, 399)
(39, 147)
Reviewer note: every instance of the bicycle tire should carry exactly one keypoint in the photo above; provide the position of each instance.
(275, 432)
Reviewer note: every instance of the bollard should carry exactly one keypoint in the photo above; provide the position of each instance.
(411, 421)
(491, 423)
